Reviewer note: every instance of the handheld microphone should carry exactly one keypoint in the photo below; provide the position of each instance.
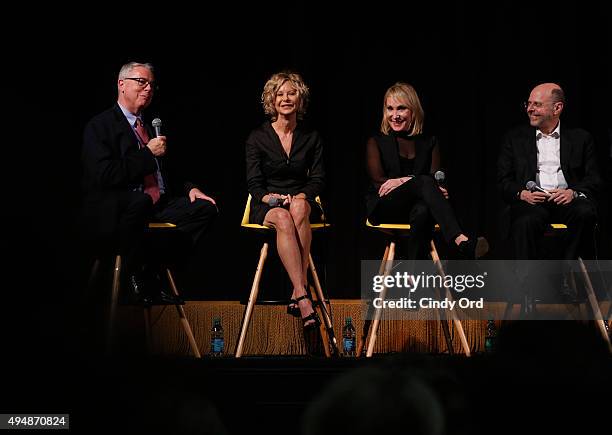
(532, 186)
(156, 123)
(275, 201)
(440, 178)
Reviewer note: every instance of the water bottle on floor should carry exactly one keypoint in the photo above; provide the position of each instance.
(491, 337)
(217, 341)
(348, 337)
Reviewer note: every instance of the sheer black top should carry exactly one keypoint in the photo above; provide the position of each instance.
(398, 155)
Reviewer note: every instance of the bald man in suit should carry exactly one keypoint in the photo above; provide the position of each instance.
(563, 162)
(560, 160)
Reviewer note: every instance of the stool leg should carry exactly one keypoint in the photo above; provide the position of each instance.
(325, 309)
(183, 317)
(378, 313)
(93, 273)
(322, 328)
(456, 321)
(508, 310)
(442, 311)
(148, 332)
(112, 312)
(367, 322)
(252, 299)
(593, 303)
(317, 284)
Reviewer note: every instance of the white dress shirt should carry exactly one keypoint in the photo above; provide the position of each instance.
(550, 175)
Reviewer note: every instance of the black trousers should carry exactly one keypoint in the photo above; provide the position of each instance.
(419, 203)
(137, 210)
(530, 221)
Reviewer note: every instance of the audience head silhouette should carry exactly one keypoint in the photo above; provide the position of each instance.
(375, 400)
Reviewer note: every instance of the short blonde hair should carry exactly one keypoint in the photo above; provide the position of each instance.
(268, 96)
(405, 94)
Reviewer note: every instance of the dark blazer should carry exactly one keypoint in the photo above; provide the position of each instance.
(269, 169)
(113, 162)
(517, 163)
(389, 155)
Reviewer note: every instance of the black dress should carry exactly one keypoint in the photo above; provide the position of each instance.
(270, 170)
(418, 201)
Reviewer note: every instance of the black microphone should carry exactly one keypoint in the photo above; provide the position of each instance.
(532, 186)
(275, 201)
(440, 179)
(156, 123)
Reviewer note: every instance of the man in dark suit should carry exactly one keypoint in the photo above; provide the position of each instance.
(562, 163)
(126, 183)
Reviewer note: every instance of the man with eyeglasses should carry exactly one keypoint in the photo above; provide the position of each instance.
(127, 185)
(563, 165)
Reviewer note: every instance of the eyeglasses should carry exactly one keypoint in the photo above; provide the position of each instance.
(536, 104)
(143, 82)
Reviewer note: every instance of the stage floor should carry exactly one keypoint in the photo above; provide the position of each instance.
(274, 332)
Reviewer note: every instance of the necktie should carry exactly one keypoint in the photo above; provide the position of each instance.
(151, 187)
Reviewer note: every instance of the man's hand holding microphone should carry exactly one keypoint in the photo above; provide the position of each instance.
(534, 194)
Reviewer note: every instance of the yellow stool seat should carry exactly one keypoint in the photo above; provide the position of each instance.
(558, 226)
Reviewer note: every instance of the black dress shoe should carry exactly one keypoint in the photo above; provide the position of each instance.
(137, 294)
(164, 298)
(473, 248)
(159, 295)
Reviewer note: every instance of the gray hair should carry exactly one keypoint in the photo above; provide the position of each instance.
(558, 96)
(128, 67)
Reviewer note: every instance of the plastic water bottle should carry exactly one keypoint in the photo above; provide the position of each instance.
(348, 337)
(217, 341)
(491, 336)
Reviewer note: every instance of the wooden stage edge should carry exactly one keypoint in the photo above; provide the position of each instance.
(274, 332)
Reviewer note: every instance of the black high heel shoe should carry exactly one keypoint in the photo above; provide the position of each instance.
(293, 309)
(312, 316)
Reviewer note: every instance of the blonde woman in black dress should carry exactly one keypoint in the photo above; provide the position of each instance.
(401, 163)
(284, 175)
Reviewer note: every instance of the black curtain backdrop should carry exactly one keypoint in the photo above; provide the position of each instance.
(472, 66)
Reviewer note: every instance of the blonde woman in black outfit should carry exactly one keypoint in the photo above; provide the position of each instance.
(400, 164)
(284, 175)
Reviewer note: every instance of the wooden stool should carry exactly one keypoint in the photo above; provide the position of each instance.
(554, 230)
(319, 301)
(370, 327)
(156, 227)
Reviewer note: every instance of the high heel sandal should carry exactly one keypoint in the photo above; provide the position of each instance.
(293, 308)
(312, 316)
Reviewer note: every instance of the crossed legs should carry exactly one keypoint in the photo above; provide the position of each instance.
(293, 239)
